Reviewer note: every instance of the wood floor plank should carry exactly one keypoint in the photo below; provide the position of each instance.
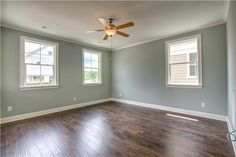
(115, 130)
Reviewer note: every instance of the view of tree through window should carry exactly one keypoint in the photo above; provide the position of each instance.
(92, 69)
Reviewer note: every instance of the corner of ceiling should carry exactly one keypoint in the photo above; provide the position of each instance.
(227, 6)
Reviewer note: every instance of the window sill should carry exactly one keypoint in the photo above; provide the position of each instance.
(184, 86)
(39, 87)
(92, 84)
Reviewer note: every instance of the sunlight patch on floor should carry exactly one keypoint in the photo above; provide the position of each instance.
(182, 117)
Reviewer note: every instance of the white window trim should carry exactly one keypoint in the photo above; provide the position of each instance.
(188, 67)
(168, 84)
(100, 67)
(23, 86)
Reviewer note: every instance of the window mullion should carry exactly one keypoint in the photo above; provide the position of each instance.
(32, 64)
(90, 60)
(99, 72)
(47, 64)
(24, 73)
(55, 65)
(40, 64)
(183, 63)
(90, 68)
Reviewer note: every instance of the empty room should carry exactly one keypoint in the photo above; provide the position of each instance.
(118, 78)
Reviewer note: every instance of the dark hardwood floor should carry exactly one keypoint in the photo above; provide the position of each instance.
(114, 129)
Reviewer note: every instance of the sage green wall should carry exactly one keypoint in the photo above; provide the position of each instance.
(231, 45)
(138, 72)
(0, 75)
(0, 62)
(70, 79)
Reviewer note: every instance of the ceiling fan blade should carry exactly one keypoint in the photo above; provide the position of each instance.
(103, 21)
(122, 34)
(94, 31)
(105, 37)
(129, 24)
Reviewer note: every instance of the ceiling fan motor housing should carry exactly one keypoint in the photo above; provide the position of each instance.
(111, 29)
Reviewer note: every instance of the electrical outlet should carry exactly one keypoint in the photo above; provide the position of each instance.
(75, 99)
(9, 108)
(203, 105)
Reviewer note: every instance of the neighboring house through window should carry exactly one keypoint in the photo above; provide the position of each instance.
(91, 67)
(38, 63)
(192, 66)
(183, 58)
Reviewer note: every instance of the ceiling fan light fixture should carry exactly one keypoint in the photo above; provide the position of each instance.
(110, 29)
(110, 32)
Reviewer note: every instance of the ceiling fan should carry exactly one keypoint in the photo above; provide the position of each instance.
(110, 29)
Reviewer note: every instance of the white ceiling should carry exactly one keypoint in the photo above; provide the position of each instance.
(153, 20)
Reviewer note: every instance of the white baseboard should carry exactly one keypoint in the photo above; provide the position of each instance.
(230, 128)
(172, 109)
(154, 106)
(53, 110)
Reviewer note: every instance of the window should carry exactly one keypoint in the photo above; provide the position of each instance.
(38, 63)
(91, 67)
(192, 66)
(183, 58)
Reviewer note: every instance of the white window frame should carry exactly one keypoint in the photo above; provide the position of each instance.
(23, 85)
(168, 79)
(99, 64)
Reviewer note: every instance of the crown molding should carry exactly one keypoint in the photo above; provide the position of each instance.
(166, 36)
(115, 48)
(25, 30)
